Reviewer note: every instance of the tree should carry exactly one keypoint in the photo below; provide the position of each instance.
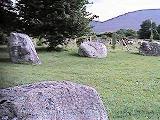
(148, 27)
(115, 37)
(54, 19)
(121, 32)
(158, 29)
(158, 32)
(131, 33)
(127, 33)
(106, 34)
(7, 16)
(7, 19)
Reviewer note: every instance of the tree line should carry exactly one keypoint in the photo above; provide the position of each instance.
(148, 30)
(54, 20)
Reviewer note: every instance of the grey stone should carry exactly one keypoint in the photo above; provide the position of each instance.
(150, 48)
(92, 49)
(7, 110)
(21, 49)
(54, 101)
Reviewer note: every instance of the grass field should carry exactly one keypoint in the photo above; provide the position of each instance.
(128, 83)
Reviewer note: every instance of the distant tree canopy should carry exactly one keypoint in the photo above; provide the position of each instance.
(121, 33)
(158, 29)
(148, 27)
(7, 16)
(8, 19)
(106, 34)
(54, 19)
(127, 33)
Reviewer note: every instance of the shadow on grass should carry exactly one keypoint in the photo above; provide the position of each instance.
(45, 49)
(41, 49)
(5, 60)
(4, 55)
(3, 49)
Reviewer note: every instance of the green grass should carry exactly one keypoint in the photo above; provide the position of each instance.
(129, 84)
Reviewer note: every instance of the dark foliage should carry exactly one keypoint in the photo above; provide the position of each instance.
(8, 20)
(127, 33)
(148, 30)
(54, 19)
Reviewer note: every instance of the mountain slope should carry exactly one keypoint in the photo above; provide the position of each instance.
(131, 20)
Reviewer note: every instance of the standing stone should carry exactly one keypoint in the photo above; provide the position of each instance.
(21, 49)
(150, 48)
(92, 49)
(52, 101)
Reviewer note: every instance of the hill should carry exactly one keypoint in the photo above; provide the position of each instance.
(131, 20)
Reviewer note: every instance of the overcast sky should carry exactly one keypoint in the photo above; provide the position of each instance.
(107, 9)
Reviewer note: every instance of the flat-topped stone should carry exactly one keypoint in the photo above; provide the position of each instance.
(21, 49)
(51, 101)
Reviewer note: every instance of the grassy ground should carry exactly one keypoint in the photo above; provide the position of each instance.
(129, 84)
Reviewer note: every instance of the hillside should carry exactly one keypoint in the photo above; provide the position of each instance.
(131, 20)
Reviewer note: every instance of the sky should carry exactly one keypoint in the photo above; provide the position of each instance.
(107, 9)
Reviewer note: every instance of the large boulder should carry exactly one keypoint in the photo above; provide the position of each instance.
(149, 48)
(21, 49)
(51, 101)
(92, 49)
